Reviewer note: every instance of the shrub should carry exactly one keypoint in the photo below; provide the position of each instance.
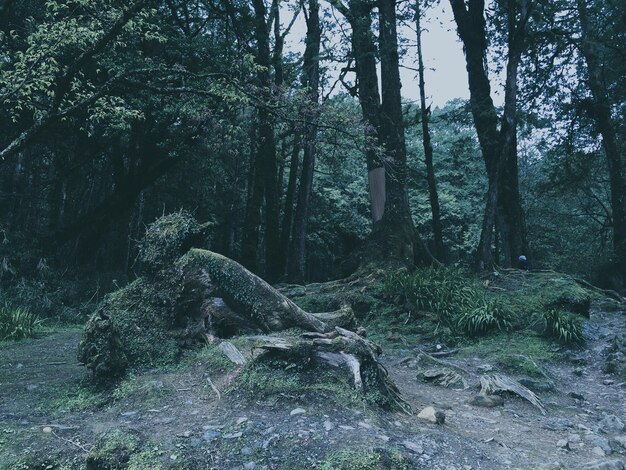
(455, 298)
(17, 323)
(563, 325)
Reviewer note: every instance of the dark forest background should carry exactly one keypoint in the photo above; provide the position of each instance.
(114, 113)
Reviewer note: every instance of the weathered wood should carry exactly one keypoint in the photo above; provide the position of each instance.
(253, 302)
(232, 353)
(490, 384)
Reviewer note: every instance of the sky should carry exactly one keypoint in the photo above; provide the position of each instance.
(444, 62)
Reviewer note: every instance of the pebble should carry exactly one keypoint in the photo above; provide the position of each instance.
(249, 466)
(297, 411)
(432, 415)
(605, 465)
(328, 425)
(563, 444)
(485, 401)
(210, 435)
(413, 446)
(246, 451)
(611, 424)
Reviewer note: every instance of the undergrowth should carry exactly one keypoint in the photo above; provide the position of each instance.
(457, 300)
(562, 325)
(17, 322)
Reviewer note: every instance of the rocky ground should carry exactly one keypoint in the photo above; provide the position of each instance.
(201, 415)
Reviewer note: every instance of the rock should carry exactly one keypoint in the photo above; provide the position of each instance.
(129, 414)
(563, 444)
(598, 451)
(241, 420)
(31, 387)
(413, 446)
(600, 442)
(297, 411)
(157, 385)
(432, 415)
(537, 385)
(249, 466)
(608, 382)
(485, 368)
(233, 435)
(210, 435)
(328, 426)
(47, 429)
(576, 396)
(246, 451)
(558, 424)
(604, 465)
(487, 401)
(611, 424)
(621, 441)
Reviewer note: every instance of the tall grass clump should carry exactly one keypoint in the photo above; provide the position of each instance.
(457, 300)
(563, 325)
(17, 322)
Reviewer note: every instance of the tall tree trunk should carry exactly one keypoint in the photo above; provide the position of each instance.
(297, 257)
(497, 147)
(290, 196)
(606, 127)
(265, 166)
(428, 148)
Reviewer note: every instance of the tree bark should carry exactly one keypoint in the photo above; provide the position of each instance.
(428, 148)
(498, 147)
(607, 128)
(297, 257)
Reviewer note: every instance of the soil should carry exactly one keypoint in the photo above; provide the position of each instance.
(51, 418)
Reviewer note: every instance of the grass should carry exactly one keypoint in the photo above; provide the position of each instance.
(17, 323)
(457, 300)
(365, 459)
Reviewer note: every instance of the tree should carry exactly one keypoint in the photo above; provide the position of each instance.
(498, 146)
(428, 147)
(393, 238)
(593, 50)
(311, 79)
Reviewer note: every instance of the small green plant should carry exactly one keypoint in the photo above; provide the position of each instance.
(365, 460)
(563, 325)
(457, 300)
(17, 322)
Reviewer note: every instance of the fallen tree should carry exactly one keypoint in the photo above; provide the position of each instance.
(203, 295)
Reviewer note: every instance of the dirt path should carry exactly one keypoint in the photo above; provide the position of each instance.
(179, 418)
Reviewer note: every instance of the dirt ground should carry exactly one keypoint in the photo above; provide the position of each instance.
(51, 418)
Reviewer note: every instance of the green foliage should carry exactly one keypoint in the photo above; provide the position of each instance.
(17, 322)
(457, 300)
(564, 326)
(366, 459)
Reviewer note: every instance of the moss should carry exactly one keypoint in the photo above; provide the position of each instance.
(366, 459)
(113, 451)
(168, 238)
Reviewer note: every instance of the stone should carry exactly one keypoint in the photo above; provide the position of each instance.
(432, 415)
(210, 435)
(576, 396)
(249, 466)
(611, 424)
(487, 401)
(157, 385)
(328, 425)
(246, 451)
(600, 442)
(563, 444)
(604, 465)
(47, 429)
(241, 420)
(413, 446)
(297, 411)
(31, 387)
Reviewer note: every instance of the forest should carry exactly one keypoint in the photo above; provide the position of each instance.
(339, 234)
